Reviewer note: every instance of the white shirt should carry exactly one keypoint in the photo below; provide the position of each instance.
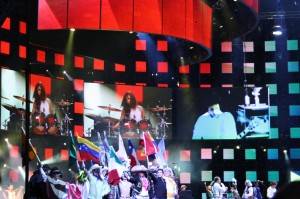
(218, 190)
(248, 193)
(125, 186)
(136, 113)
(45, 107)
(271, 192)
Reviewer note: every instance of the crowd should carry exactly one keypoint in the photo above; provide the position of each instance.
(217, 190)
(95, 183)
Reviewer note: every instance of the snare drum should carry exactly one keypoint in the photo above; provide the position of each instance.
(144, 125)
(52, 124)
(38, 123)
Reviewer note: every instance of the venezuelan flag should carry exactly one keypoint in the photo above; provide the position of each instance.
(88, 150)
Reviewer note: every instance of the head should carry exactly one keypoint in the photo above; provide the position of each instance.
(39, 92)
(214, 109)
(217, 179)
(183, 187)
(129, 100)
(160, 173)
(273, 184)
(168, 172)
(55, 173)
(96, 170)
(248, 183)
(141, 175)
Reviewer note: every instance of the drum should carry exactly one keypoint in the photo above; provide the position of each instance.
(144, 125)
(128, 128)
(38, 123)
(52, 124)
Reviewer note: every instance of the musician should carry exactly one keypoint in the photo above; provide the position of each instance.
(218, 188)
(215, 124)
(131, 114)
(41, 103)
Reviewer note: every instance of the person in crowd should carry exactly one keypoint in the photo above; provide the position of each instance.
(234, 190)
(141, 186)
(159, 184)
(185, 193)
(83, 184)
(98, 185)
(248, 191)
(218, 188)
(256, 190)
(271, 191)
(172, 189)
(36, 184)
(209, 193)
(125, 186)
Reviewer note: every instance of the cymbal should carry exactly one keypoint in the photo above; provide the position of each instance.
(4, 97)
(9, 107)
(64, 103)
(23, 99)
(86, 108)
(109, 108)
(160, 109)
(109, 119)
(93, 116)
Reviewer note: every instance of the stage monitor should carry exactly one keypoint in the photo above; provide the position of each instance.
(128, 110)
(222, 113)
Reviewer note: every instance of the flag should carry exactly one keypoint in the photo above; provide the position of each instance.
(105, 144)
(122, 151)
(88, 150)
(72, 151)
(132, 154)
(161, 154)
(150, 146)
(115, 167)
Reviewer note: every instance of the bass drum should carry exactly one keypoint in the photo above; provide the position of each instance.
(52, 125)
(128, 128)
(38, 123)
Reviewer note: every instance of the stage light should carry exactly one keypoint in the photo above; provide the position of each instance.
(70, 169)
(65, 144)
(130, 32)
(264, 150)
(64, 72)
(47, 70)
(215, 151)
(191, 47)
(277, 30)
(284, 151)
(6, 140)
(221, 26)
(4, 165)
(238, 147)
(72, 29)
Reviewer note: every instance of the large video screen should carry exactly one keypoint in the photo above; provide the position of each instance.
(222, 114)
(51, 106)
(128, 110)
(12, 99)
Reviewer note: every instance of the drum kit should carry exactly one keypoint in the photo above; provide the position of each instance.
(41, 124)
(129, 128)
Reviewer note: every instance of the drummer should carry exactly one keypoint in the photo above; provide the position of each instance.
(41, 103)
(131, 110)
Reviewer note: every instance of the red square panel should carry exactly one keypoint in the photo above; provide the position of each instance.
(22, 51)
(78, 84)
(184, 69)
(64, 154)
(48, 153)
(78, 130)
(22, 27)
(78, 62)
(185, 155)
(204, 68)
(205, 85)
(162, 67)
(206, 153)
(14, 152)
(140, 44)
(138, 92)
(226, 46)
(6, 24)
(184, 85)
(46, 81)
(120, 68)
(140, 66)
(98, 64)
(227, 85)
(162, 45)
(41, 56)
(4, 47)
(226, 68)
(78, 107)
(162, 85)
(141, 84)
(59, 59)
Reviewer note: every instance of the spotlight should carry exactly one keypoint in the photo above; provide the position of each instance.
(238, 147)
(6, 140)
(130, 32)
(191, 47)
(221, 26)
(47, 70)
(215, 151)
(72, 29)
(277, 30)
(64, 72)
(65, 144)
(4, 165)
(264, 150)
(284, 151)
(70, 169)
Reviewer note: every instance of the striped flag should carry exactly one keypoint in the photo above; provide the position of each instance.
(132, 154)
(150, 146)
(88, 150)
